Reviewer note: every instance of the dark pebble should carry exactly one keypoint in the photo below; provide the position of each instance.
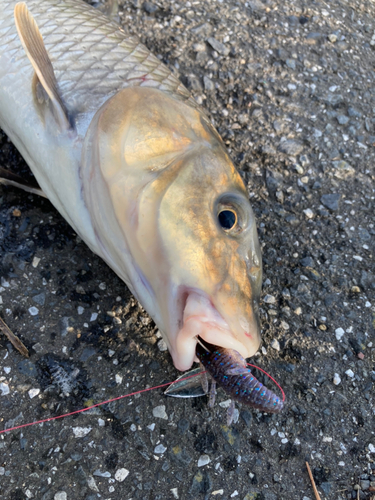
(26, 367)
(291, 147)
(331, 201)
(246, 417)
(87, 353)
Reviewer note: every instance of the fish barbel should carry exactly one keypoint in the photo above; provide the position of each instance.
(127, 157)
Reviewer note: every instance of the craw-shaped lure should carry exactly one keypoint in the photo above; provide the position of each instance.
(228, 369)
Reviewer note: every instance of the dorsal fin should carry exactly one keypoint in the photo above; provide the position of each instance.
(32, 42)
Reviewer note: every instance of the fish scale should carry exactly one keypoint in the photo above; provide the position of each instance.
(92, 57)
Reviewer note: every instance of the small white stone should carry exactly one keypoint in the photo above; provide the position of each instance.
(7, 369)
(284, 325)
(133, 427)
(2, 471)
(203, 460)
(269, 299)
(151, 427)
(339, 332)
(80, 432)
(284, 441)
(102, 286)
(29, 494)
(35, 262)
(159, 412)
(33, 392)
(342, 464)
(162, 346)
(264, 350)
(217, 492)
(160, 449)
(80, 310)
(61, 495)
(4, 388)
(309, 213)
(93, 316)
(336, 379)
(349, 373)
(275, 344)
(281, 434)
(225, 404)
(33, 311)
(101, 422)
(297, 442)
(273, 432)
(327, 439)
(234, 494)
(92, 484)
(174, 492)
(368, 304)
(118, 378)
(371, 448)
(121, 475)
(358, 257)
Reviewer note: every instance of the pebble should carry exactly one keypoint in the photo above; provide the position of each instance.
(218, 46)
(33, 392)
(33, 311)
(80, 432)
(159, 412)
(60, 495)
(162, 346)
(208, 84)
(4, 388)
(291, 147)
(100, 473)
(371, 448)
(336, 379)
(349, 373)
(284, 325)
(275, 344)
(2, 471)
(160, 449)
(269, 299)
(332, 38)
(309, 213)
(39, 299)
(121, 475)
(331, 201)
(342, 119)
(339, 332)
(203, 460)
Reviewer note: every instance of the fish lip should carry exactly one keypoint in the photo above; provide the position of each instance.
(184, 358)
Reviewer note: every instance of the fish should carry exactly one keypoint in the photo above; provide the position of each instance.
(125, 154)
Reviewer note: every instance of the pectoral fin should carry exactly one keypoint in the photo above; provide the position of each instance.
(32, 42)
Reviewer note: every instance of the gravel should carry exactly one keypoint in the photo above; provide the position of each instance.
(289, 86)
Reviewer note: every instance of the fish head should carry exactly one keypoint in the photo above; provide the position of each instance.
(174, 220)
(209, 238)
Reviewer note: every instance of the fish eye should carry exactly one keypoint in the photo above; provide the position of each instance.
(227, 219)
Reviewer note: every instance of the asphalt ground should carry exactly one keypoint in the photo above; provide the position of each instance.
(290, 88)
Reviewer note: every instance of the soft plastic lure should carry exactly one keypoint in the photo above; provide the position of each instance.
(228, 369)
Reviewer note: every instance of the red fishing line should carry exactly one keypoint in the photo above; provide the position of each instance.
(116, 399)
(269, 376)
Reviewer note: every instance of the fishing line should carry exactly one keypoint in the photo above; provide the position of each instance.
(122, 397)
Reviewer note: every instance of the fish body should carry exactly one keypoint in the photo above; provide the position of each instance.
(124, 153)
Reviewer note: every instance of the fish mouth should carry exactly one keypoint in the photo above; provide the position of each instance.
(198, 317)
